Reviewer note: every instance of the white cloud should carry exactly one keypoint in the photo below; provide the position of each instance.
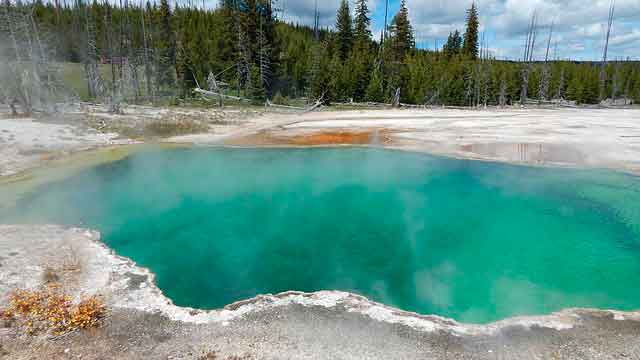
(627, 39)
(302, 11)
(579, 24)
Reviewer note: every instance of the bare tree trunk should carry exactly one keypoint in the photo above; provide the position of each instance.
(40, 65)
(244, 71)
(603, 70)
(502, 98)
(525, 83)
(627, 89)
(560, 92)
(546, 57)
(469, 87)
(108, 42)
(396, 98)
(265, 62)
(90, 65)
(11, 27)
(545, 79)
(12, 105)
(615, 86)
(147, 63)
(24, 70)
(528, 58)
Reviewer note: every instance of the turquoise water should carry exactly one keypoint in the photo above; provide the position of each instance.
(469, 240)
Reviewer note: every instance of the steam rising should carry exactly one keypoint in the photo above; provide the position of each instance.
(473, 241)
(29, 76)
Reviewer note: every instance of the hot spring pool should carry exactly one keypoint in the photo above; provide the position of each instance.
(473, 241)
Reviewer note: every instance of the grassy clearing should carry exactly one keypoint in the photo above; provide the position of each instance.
(174, 127)
(73, 77)
(150, 128)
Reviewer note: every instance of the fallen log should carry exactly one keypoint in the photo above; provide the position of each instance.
(270, 104)
(212, 93)
(359, 104)
(412, 106)
(316, 105)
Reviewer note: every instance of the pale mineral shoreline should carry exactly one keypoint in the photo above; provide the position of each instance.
(326, 324)
(590, 138)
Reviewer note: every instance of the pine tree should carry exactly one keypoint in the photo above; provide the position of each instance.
(358, 68)
(267, 46)
(453, 45)
(166, 46)
(470, 46)
(320, 77)
(457, 42)
(256, 41)
(446, 48)
(226, 51)
(244, 47)
(344, 28)
(561, 84)
(402, 32)
(575, 89)
(256, 89)
(635, 94)
(362, 31)
(337, 88)
(374, 91)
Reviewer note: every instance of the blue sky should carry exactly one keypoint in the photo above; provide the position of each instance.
(579, 24)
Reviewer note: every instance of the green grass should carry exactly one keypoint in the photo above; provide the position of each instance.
(73, 77)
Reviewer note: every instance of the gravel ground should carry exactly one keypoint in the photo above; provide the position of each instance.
(603, 138)
(26, 143)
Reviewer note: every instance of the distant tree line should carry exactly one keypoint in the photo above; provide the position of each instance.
(241, 48)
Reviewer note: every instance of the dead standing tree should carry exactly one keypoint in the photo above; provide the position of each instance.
(16, 69)
(616, 82)
(95, 84)
(244, 55)
(485, 68)
(148, 71)
(129, 86)
(545, 76)
(561, 83)
(124, 61)
(469, 89)
(603, 69)
(502, 96)
(627, 88)
(27, 75)
(264, 56)
(528, 57)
